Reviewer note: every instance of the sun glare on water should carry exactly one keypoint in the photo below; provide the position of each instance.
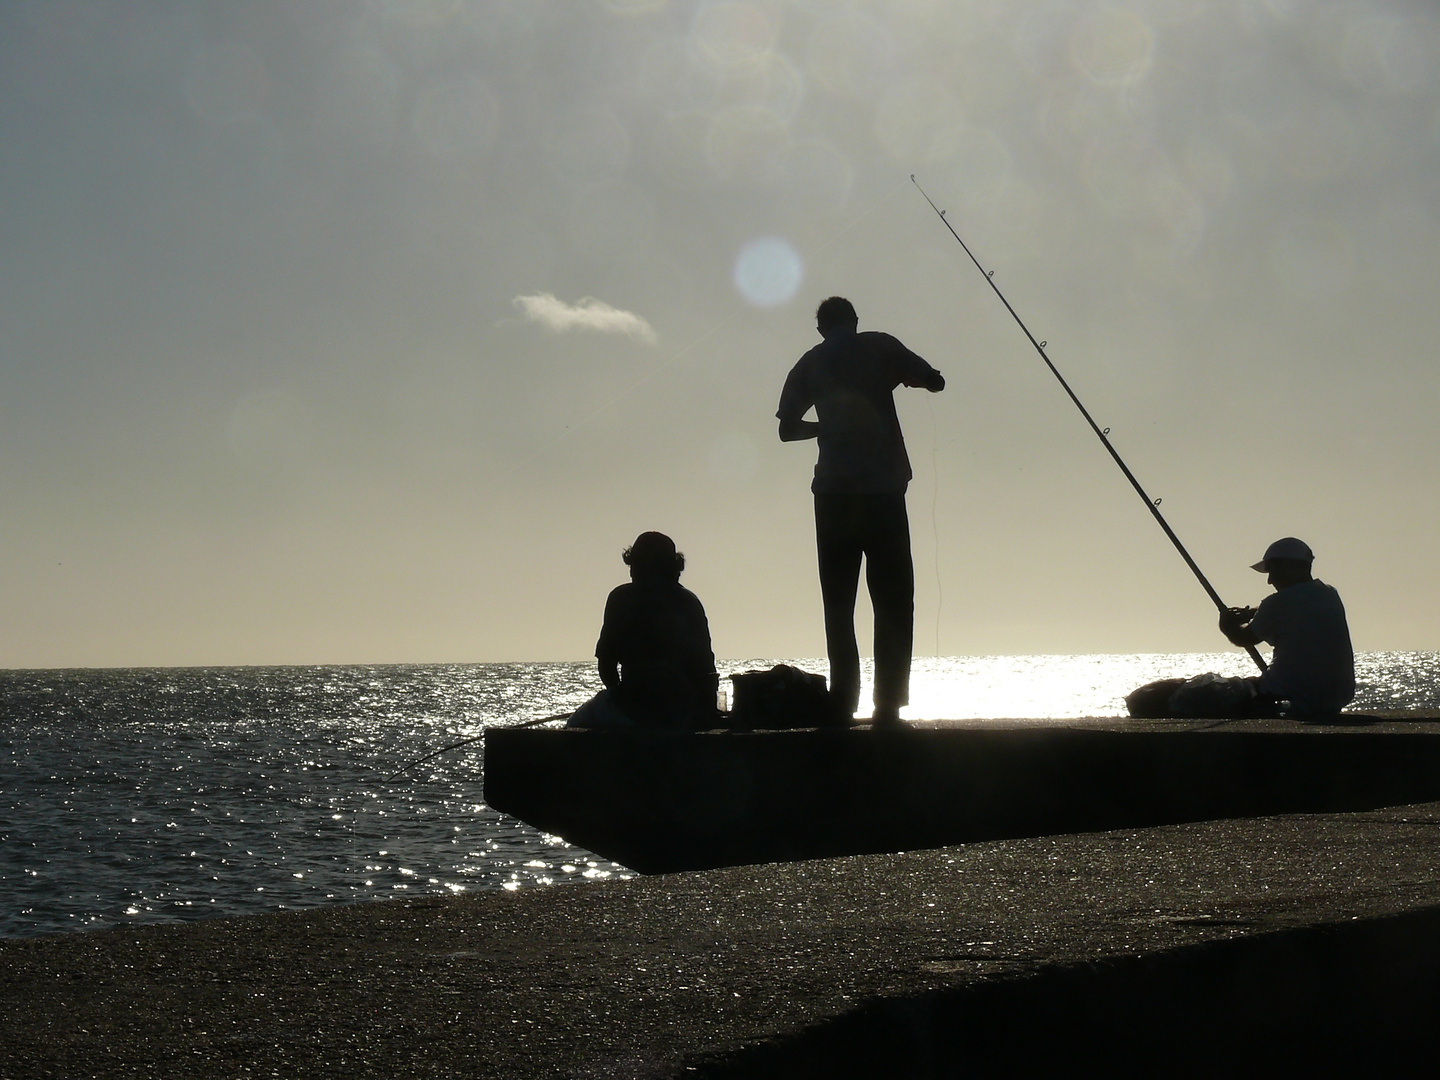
(1045, 687)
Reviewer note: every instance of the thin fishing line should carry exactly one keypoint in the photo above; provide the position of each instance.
(1153, 505)
(634, 386)
(934, 515)
(472, 739)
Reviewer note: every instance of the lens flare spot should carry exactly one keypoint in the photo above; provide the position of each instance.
(768, 272)
(729, 35)
(773, 84)
(1112, 46)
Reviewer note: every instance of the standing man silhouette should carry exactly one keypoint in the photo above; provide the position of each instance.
(860, 479)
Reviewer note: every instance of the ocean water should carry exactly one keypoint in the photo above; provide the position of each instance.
(145, 795)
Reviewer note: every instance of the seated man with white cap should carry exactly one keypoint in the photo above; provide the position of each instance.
(1313, 666)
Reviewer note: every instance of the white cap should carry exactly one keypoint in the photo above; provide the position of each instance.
(1285, 548)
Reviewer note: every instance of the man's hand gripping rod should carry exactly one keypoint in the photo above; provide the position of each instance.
(1153, 505)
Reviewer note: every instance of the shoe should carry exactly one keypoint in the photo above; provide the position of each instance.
(886, 717)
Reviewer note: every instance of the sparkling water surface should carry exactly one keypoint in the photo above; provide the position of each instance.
(148, 795)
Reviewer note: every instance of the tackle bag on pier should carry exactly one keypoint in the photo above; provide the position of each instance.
(783, 697)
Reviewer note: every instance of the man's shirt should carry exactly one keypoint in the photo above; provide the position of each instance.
(1314, 666)
(850, 380)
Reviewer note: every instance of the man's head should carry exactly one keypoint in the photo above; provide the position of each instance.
(835, 314)
(653, 555)
(1287, 562)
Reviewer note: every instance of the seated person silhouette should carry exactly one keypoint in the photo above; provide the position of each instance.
(1312, 671)
(1313, 667)
(654, 649)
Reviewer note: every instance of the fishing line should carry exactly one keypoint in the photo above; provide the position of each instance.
(934, 515)
(1153, 505)
(473, 739)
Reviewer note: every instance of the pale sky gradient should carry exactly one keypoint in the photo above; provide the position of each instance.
(372, 330)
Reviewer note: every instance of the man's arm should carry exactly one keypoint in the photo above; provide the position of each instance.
(795, 402)
(1234, 624)
(609, 673)
(930, 379)
(613, 631)
(916, 371)
(793, 430)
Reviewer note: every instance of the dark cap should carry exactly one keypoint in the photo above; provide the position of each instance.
(1285, 548)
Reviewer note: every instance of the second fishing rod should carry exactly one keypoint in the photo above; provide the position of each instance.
(1103, 434)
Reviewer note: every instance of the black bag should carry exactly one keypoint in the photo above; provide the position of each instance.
(1204, 697)
(783, 697)
(1152, 701)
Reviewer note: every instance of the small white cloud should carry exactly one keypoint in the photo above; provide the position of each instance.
(587, 314)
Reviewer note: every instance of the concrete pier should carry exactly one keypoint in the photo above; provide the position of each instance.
(1294, 944)
(661, 801)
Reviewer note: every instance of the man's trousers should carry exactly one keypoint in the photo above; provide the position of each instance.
(875, 526)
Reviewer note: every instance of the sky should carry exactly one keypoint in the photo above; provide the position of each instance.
(373, 330)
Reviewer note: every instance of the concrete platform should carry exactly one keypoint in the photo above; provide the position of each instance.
(660, 801)
(1294, 945)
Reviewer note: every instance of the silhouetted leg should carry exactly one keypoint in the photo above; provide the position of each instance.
(838, 544)
(890, 575)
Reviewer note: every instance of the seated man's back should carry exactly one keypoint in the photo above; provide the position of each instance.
(1314, 665)
(657, 635)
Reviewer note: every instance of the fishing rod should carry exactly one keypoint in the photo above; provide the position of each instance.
(1153, 505)
(472, 739)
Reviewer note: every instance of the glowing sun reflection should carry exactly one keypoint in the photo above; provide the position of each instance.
(768, 272)
(1046, 687)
